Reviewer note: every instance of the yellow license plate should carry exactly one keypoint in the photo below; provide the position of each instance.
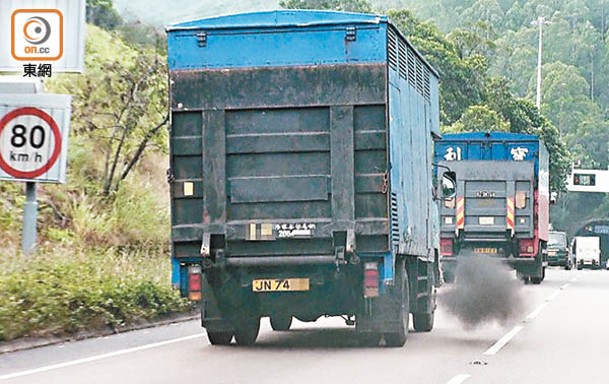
(280, 285)
(485, 250)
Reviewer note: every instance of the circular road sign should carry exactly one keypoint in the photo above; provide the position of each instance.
(30, 142)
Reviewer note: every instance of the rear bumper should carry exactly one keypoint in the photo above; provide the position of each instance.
(588, 262)
(558, 257)
(511, 261)
(524, 265)
(557, 261)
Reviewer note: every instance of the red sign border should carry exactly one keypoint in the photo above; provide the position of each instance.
(56, 151)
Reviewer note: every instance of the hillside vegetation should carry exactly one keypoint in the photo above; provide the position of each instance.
(575, 72)
(103, 254)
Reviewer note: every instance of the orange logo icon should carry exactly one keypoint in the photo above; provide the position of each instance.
(37, 34)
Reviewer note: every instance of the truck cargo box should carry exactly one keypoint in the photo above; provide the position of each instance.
(301, 147)
(502, 204)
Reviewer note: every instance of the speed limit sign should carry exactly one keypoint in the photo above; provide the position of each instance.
(33, 137)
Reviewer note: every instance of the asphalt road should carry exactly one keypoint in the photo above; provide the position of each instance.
(562, 338)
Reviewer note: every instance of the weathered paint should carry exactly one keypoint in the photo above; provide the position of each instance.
(290, 118)
(497, 148)
(277, 38)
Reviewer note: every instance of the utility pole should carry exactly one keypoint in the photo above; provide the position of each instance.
(539, 22)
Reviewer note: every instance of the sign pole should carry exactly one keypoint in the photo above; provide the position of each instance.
(30, 217)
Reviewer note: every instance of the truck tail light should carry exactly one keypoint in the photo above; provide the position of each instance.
(371, 280)
(446, 247)
(527, 247)
(195, 279)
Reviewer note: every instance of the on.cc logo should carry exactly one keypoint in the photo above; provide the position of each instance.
(37, 34)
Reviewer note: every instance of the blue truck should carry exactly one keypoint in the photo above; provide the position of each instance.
(501, 207)
(301, 173)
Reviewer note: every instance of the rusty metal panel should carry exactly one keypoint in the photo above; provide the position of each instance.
(279, 189)
(311, 151)
(343, 173)
(214, 170)
(281, 87)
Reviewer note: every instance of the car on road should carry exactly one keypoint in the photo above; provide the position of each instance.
(587, 252)
(559, 252)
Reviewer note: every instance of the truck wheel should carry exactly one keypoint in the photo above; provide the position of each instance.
(247, 331)
(281, 323)
(369, 340)
(449, 277)
(526, 279)
(219, 338)
(537, 280)
(423, 322)
(401, 300)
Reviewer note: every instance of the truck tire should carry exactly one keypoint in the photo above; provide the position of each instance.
(423, 322)
(246, 331)
(401, 300)
(281, 322)
(369, 340)
(449, 277)
(538, 279)
(219, 338)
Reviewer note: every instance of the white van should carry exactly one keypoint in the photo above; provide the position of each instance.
(587, 250)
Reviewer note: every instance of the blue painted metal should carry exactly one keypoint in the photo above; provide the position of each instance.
(279, 18)
(277, 38)
(388, 271)
(176, 277)
(492, 146)
(413, 117)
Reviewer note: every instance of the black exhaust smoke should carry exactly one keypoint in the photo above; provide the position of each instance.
(485, 291)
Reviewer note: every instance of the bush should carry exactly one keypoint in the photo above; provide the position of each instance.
(61, 295)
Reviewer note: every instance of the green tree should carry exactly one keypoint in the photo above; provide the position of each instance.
(599, 18)
(524, 117)
(474, 39)
(486, 11)
(120, 103)
(591, 143)
(103, 14)
(566, 96)
(480, 118)
(462, 80)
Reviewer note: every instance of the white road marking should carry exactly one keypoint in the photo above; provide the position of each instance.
(510, 335)
(553, 296)
(459, 379)
(536, 312)
(98, 357)
(504, 340)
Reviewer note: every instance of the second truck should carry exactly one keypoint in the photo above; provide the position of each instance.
(501, 207)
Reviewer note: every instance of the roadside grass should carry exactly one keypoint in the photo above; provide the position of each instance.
(101, 263)
(66, 291)
(102, 259)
